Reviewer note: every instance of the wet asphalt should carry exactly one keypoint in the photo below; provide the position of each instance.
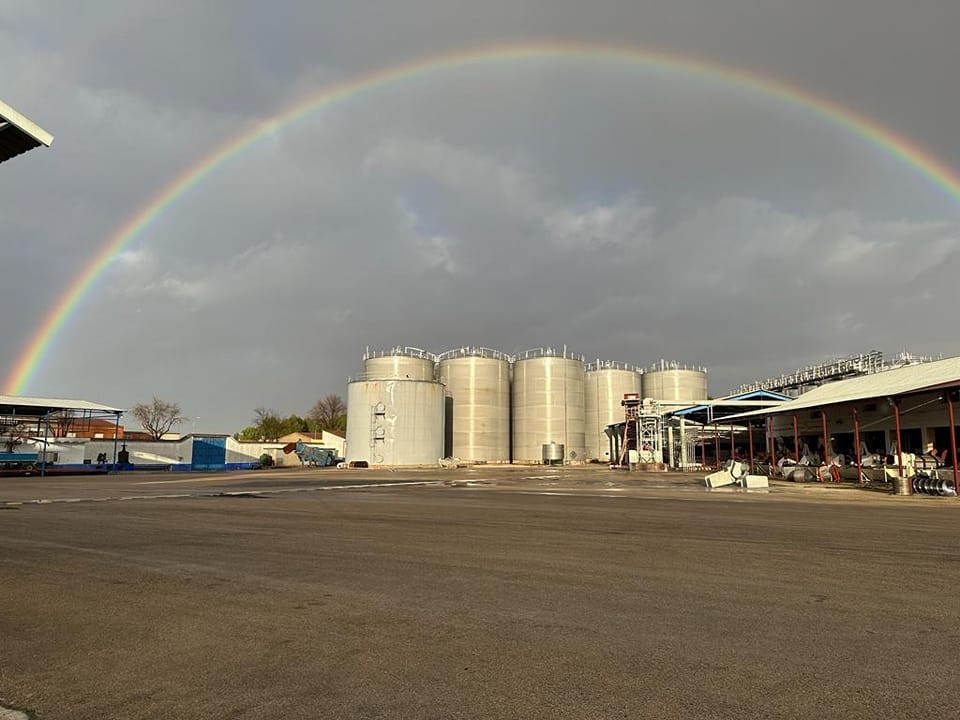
(442, 601)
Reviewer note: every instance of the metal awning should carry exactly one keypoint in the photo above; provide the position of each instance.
(909, 380)
(38, 406)
(18, 134)
(724, 408)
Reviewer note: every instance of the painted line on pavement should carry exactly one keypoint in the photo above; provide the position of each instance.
(224, 493)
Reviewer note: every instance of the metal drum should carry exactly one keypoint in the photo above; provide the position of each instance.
(902, 486)
(552, 454)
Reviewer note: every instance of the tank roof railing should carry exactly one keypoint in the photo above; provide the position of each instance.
(667, 365)
(599, 364)
(406, 351)
(548, 352)
(473, 351)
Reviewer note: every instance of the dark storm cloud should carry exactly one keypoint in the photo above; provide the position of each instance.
(630, 215)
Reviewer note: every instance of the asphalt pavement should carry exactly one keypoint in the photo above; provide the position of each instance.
(531, 597)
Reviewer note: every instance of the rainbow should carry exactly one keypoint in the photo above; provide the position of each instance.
(909, 152)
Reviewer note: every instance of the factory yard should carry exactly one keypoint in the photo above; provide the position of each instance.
(482, 593)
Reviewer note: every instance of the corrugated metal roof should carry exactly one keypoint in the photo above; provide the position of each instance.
(35, 404)
(889, 383)
(18, 134)
(754, 398)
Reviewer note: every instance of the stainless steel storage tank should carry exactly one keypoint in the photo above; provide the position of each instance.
(548, 404)
(478, 382)
(552, 454)
(402, 363)
(674, 384)
(395, 422)
(606, 384)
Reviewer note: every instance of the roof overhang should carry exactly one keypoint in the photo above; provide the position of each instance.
(38, 407)
(900, 382)
(721, 409)
(18, 134)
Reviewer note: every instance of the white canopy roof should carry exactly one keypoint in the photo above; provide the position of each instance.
(907, 380)
(40, 406)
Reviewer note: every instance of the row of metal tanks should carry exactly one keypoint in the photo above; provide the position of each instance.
(411, 407)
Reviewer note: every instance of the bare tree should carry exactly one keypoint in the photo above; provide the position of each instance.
(157, 417)
(328, 412)
(14, 436)
(65, 423)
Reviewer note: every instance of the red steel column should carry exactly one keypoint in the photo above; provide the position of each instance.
(896, 417)
(826, 439)
(750, 440)
(953, 443)
(796, 441)
(856, 441)
(716, 443)
(773, 445)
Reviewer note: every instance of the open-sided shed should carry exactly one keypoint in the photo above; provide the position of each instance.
(928, 391)
(43, 419)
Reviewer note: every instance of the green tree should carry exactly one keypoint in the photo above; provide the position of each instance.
(295, 424)
(269, 423)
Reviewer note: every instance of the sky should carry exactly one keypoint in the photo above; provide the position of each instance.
(628, 211)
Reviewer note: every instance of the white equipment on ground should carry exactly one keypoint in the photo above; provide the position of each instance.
(735, 474)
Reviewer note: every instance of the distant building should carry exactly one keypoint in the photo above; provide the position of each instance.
(93, 429)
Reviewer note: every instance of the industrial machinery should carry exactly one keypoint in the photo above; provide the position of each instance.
(639, 439)
(311, 454)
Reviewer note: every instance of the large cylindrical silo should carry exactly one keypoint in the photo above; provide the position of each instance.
(401, 363)
(548, 405)
(395, 422)
(606, 384)
(478, 383)
(674, 385)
